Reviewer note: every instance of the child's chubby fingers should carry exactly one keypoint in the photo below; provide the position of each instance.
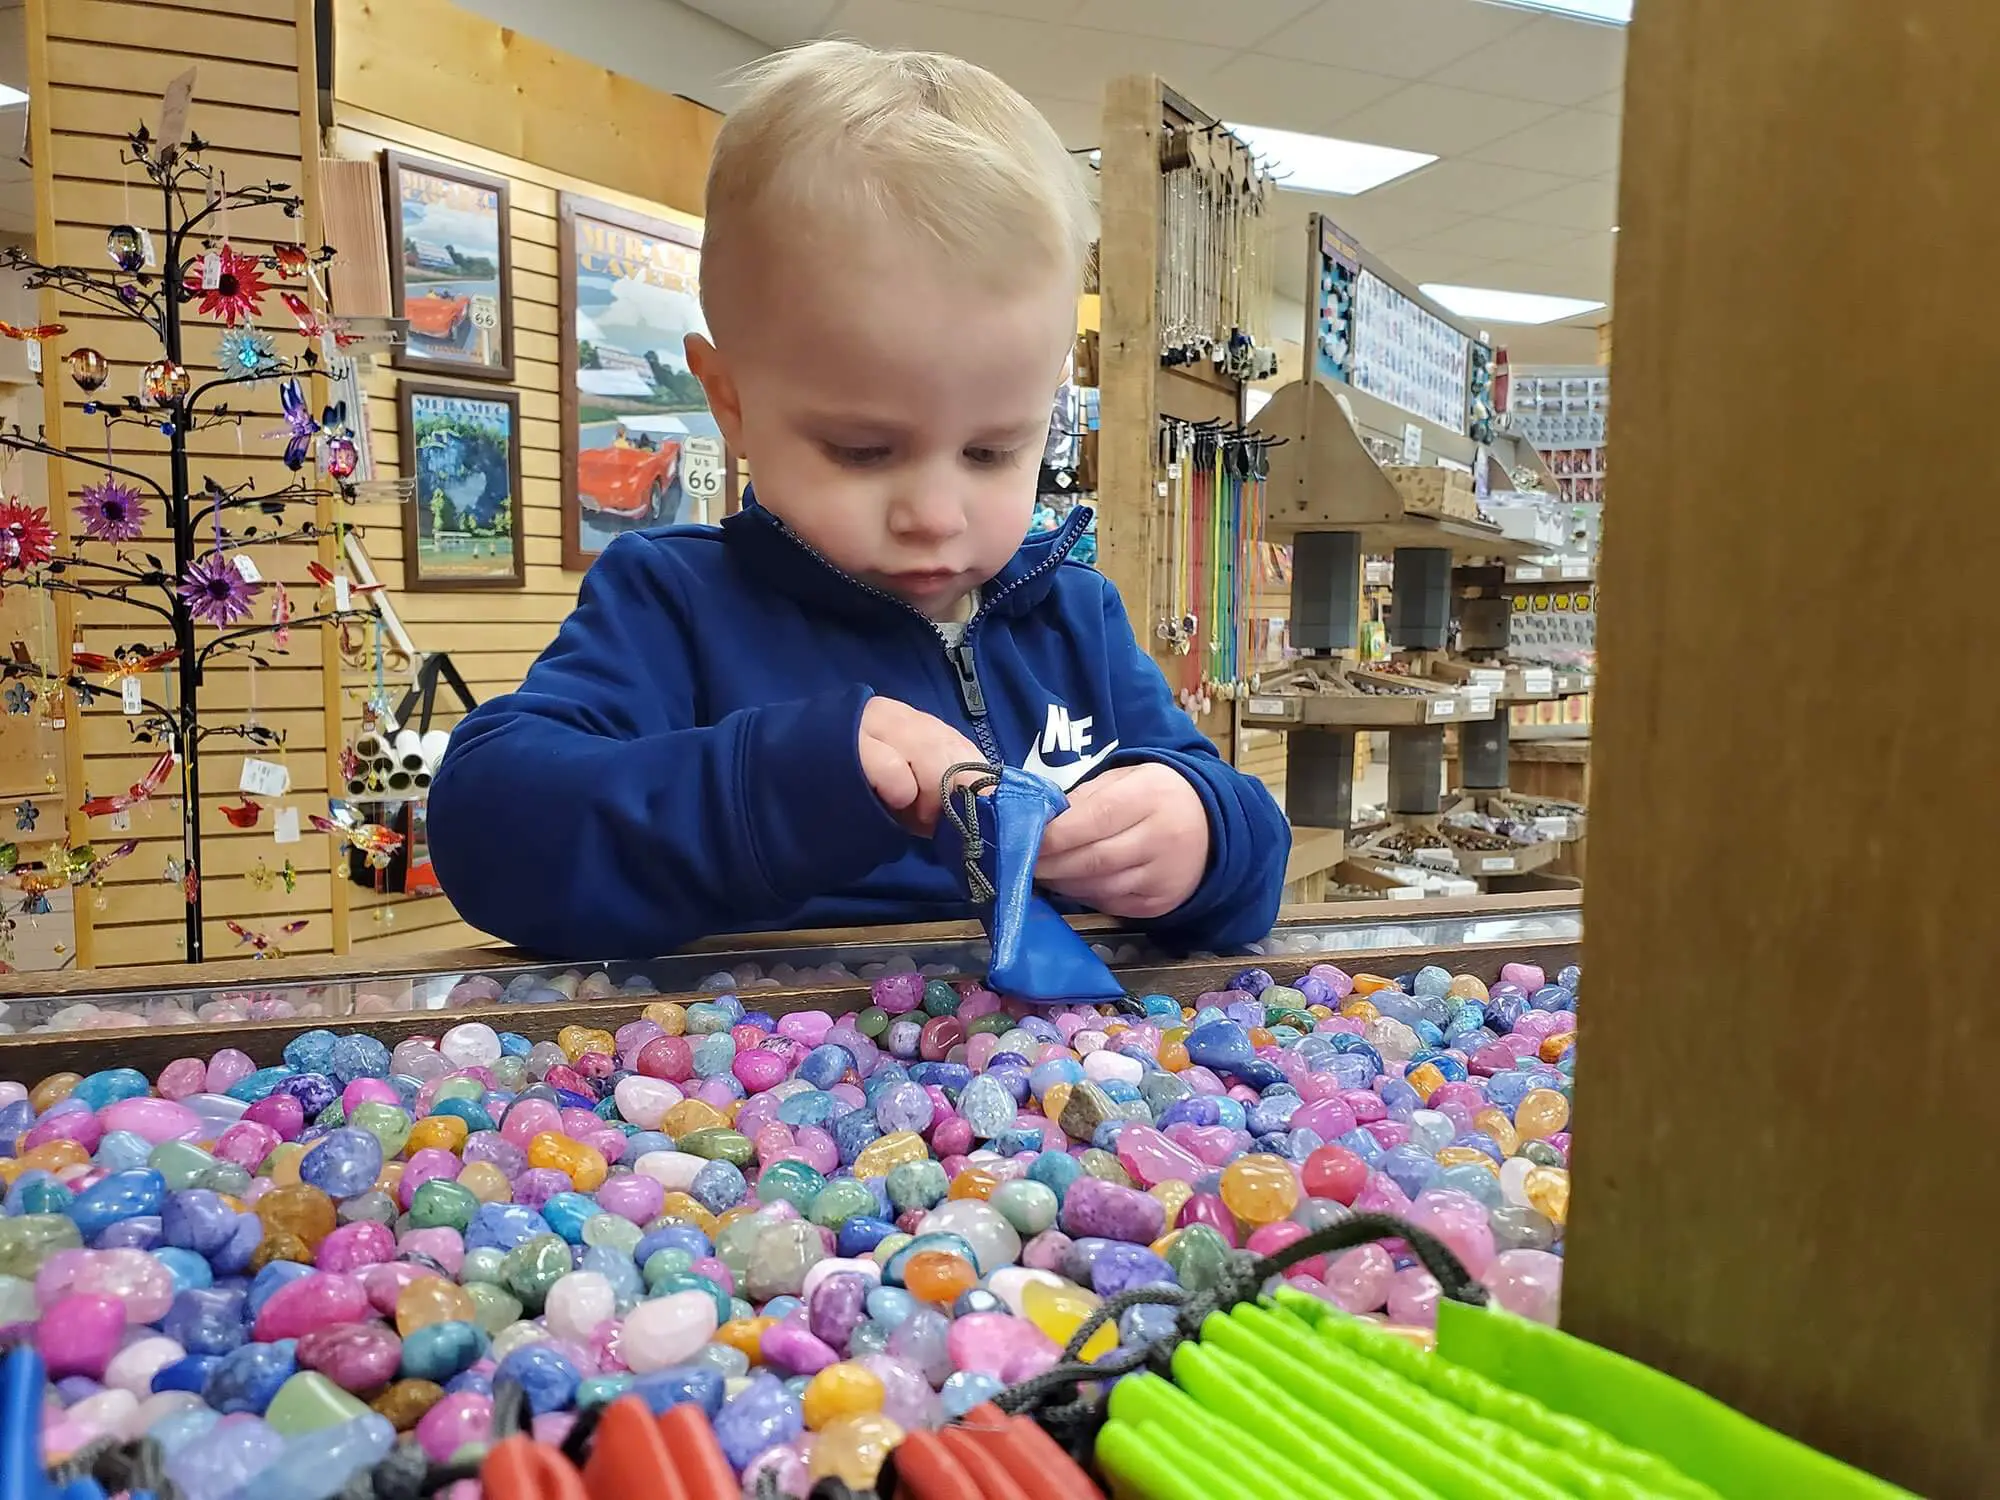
(905, 754)
(1099, 809)
(1099, 862)
(889, 774)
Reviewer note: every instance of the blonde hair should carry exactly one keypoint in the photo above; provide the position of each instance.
(839, 133)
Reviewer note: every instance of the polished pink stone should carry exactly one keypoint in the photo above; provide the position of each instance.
(79, 1125)
(1413, 1298)
(155, 1120)
(247, 1143)
(631, 1195)
(316, 1301)
(1381, 1195)
(951, 1138)
(368, 1091)
(1209, 1209)
(354, 1356)
(227, 1068)
(808, 1026)
(181, 1077)
(281, 1112)
(1151, 1157)
(1008, 1348)
(1329, 1119)
(1359, 1279)
(1366, 1104)
(1527, 1282)
(431, 1162)
(79, 1333)
(454, 1422)
(441, 1243)
(529, 1118)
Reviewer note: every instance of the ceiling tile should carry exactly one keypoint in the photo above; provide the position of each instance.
(777, 23)
(1290, 95)
(1497, 239)
(1470, 187)
(1576, 142)
(1026, 10)
(1585, 252)
(1576, 205)
(1550, 61)
(1612, 103)
(1447, 122)
(1078, 124)
(1551, 281)
(1231, 26)
(1378, 223)
(1403, 38)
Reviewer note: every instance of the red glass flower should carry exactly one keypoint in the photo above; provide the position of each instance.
(238, 293)
(26, 538)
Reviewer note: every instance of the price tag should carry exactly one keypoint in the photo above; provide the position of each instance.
(1478, 702)
(1413, 443)
(485, 312)
(263, 778)
(1272, 708)
(211, 271)
(286, 829)
(129, 692)
(342, 591)
(121, 821)
(1405, 893)
(701, 468)
(1556, 828)
(34, 356)
(1527, 575)
(246, 569)
(1440, 708)
(146, 246)
(1173, 471)
(1160, 489)
(1496, 864)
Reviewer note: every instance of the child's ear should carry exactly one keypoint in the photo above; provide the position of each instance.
(712, 370)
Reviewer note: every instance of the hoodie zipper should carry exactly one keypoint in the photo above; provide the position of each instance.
(961, 659)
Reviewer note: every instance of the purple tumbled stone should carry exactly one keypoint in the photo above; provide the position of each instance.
(1105, 1210)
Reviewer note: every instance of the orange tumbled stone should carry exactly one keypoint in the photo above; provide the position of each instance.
(438, 1133)
(1368, 984)
(1467, 1156)
(746, 1335)
(690, 1115)
(432, 1299)
(279, 1244)
(53, 1090)
(938, 1276)
(300, 1210)
(1494, 1124)
(52, 1157)
(974, 1182)
(679, 1208)
(1360, 1010)
(583, 1164)
(1556, 1048)
(485, 1182)
(1259, 1189)
(1426, 1079)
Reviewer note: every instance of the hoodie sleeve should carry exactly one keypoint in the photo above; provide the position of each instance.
(1249, 837)
(593, 814)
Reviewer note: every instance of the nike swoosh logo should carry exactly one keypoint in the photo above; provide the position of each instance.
(1065, 776)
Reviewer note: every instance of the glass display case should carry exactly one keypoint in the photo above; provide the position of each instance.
(145, 1017)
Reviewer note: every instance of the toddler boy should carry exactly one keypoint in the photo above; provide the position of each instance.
(746, 726)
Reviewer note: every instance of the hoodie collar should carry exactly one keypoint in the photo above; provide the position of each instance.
(777, 557)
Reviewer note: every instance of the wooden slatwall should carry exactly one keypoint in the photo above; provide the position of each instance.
(98, 68)
(493, 636)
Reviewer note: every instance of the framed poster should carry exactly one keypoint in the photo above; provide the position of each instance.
(639, 446)
(462, 527)
(450, 267)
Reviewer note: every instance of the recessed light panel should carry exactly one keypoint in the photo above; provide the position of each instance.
(1322, 164)
(1490, 304)
(1604, 12)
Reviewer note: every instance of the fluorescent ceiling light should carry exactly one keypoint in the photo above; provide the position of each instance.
(1321, 164)
(11, 96)
(1492, 305)
(1605, 12)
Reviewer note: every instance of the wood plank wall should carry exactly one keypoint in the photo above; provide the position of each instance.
(493, 637)
(98, 68)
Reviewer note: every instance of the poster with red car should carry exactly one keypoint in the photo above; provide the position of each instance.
(631, 407)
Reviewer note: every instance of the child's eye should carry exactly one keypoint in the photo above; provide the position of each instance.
(856, 458)
(991, 458)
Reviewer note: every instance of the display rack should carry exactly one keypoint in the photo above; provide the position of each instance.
(1355, 475)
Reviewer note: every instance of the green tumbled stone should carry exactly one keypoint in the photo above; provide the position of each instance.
(488, 1264)
(664, 1263)
(704, 1019)
(498, 1308)
(30, 1239)
(839, 1201)
(612, 1232)
(1104, 1166)
(532, 1268)
(940, 999)
(793, 1182)
(1200, 1257)
(1087, 1107)
(1542, 1154)
(387, 1123)
(225, 1177)
(996, 1023)
(439, 1204)
(872, 1022)
(180, 1162)
(719, 1144)
(1030, 1207)
(916, 1184)
(308, 1402)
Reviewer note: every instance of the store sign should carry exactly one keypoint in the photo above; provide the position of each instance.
(485, 312)
(1413, 443)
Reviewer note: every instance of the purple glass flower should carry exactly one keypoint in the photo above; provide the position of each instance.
(112, 511)
(214, 591)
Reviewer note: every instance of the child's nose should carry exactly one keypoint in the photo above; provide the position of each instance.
(927, 511)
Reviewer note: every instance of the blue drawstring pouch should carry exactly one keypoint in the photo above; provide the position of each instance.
(992, 829)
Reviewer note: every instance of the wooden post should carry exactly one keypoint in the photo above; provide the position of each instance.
(1788, 1091)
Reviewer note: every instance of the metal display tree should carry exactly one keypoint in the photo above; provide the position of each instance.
(203, 585)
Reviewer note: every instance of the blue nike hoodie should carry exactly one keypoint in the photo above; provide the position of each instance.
(683, 759)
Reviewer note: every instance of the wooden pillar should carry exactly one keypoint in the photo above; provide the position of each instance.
(1787, 1098)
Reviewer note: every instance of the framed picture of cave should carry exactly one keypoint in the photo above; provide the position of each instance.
(462, 525)
(639, 447)
(450, 268)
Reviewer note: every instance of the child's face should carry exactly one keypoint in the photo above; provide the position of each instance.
(894, 414)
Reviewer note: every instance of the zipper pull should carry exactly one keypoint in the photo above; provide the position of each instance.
(967, 669)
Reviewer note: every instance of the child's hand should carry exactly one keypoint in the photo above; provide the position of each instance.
(1134, 842)
(904, 754)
